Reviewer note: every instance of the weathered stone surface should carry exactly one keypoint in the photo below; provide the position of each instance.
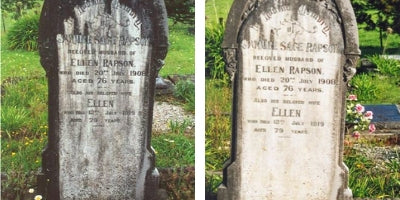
(101, 59)
(290, 61)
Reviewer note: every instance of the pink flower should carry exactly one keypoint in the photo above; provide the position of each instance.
(356, 134)
(352, 97)
(369, 115)
(360, 108)
(372, 128)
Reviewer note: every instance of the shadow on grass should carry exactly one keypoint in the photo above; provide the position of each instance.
(373, 50)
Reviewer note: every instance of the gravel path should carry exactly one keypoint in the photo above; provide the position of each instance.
(380, 155)
(164, 113)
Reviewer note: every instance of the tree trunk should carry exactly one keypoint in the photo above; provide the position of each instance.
(3, 22)
(381, 38)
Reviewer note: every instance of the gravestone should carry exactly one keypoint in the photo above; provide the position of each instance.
(290, 62)
(101, 58)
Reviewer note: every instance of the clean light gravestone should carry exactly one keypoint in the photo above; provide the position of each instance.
(290, 62)
(101, 58)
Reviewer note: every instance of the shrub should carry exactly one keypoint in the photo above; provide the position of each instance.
(214, 54)
(185, 90)
(357, 118)
(24, 33)
(386, 66)
(180, 10)
(364, 87)
(10, 5)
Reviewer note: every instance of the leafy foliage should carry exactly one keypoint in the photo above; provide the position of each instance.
(180, 10)
(390, 67)
(186, 90)
(173, 150)
(24, 33)
(364, 87)
(18, 8)
(382, 87)
(378, 14)
(214, 55)
(9, 5)
(357, 119)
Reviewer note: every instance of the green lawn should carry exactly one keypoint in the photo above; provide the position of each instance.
(180, 57)
(370, 43)
(216, 9)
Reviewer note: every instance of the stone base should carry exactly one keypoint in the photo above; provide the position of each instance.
(347, 194)
(222, 192)
(152, 191)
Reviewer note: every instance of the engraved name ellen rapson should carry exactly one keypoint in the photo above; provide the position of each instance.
(104, 64)
(290, 76)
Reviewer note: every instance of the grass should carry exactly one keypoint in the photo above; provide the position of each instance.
(173, 150)
(370, 44)
(21, 159)
(180, 128)
(381, 86)
(19, 63)
(218, 131)
(218, 101)
(216, 9)
(370, 175)
(376, 89)
(24, 105)
(180, 57)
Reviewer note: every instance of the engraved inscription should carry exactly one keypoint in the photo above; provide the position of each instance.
(286, 76)
(104, 62)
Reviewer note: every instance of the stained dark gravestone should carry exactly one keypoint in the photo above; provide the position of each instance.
(290, 62)
(101, 58)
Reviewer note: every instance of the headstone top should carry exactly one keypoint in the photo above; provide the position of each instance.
(242, 9)
(104, 16)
